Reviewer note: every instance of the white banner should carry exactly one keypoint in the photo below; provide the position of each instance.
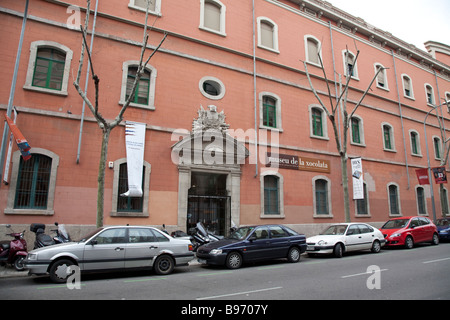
(358, 180)
(135, 143)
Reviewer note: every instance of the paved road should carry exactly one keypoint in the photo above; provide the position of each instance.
(420, 273)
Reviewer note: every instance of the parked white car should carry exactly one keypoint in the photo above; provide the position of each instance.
(345, 237)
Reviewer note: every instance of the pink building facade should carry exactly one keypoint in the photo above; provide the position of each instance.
(235, 68)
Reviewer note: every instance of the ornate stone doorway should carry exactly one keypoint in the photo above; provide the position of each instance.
(211, 157)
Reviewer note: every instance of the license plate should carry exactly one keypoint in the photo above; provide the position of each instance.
(202, 261)
(310, 248)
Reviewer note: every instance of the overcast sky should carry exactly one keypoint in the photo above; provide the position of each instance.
(414, 21)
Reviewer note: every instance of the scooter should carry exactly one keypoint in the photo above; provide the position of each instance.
(201, 236)
(14, 252)
(44, 240)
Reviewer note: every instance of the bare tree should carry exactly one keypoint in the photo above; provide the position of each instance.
(105, 125)
(331, 112)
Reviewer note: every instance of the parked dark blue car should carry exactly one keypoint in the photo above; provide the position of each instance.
(443, 226)
(254, 243)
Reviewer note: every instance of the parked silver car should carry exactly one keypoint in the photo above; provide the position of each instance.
(112, 248)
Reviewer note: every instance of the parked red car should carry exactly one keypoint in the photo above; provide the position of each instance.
(407, 231)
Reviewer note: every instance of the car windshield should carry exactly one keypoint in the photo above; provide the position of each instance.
(395, 224)
(89, 235)
(241, 233)
(442, 223)
(333, 230)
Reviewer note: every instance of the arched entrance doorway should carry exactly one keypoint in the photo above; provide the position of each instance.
(209, 164)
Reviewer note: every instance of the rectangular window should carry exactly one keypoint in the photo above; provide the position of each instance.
(415, 149)
(356, 137)
(322, 197)
(128, 204)
(33, 183)
(49, 69)
(271, 201)
(212, 16)
(267, 38)
(421, 201)
(270, 114)
(393, 200)
(387, 137)
(317, 122)
(141, 95)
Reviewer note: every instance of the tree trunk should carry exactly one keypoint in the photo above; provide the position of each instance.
(345, 187)
(101, 177)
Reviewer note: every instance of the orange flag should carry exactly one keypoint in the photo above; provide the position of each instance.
(22, 143)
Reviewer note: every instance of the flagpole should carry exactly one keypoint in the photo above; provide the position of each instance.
(13, 90)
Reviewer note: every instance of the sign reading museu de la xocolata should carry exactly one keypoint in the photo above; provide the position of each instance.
(292, 162)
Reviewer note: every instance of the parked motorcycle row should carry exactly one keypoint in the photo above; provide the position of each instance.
(14, 252)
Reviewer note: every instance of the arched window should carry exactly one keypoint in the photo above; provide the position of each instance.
(270, 111)
(267, 34)
(212, 16)
(48, 67)
(350, 64)
(272, 193)
(408, 91)
(322, 197)
(33, 183)
(429, 94)
(312, 49)
(421, 202)
(144, 96)
(394, 199)
(382, 81)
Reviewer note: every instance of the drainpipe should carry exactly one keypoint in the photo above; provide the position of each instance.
(440, 108)
(13, 89)
(254, 89)
(87, 82)
(401, 118)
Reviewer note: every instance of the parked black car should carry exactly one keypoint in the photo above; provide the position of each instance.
(254, 243)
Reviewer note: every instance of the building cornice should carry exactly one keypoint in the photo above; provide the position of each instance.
(324, 10)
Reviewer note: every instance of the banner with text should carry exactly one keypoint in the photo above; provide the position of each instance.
(135, 143)
(358, 180)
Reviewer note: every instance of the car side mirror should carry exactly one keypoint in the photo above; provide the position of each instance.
(93, 242)
(252, 237)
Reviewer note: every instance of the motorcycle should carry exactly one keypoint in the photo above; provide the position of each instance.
(177, 234)
(14, 251)
(44, 240)
(201, 236)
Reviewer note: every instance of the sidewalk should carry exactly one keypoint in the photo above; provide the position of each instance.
(10, 272)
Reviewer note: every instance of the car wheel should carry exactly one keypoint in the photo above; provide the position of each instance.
(164, 265)
(409, 242)
(338, 250)
(294, 255)
(58, 270)
(376, 246)
(435, 240)
(234, 260)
